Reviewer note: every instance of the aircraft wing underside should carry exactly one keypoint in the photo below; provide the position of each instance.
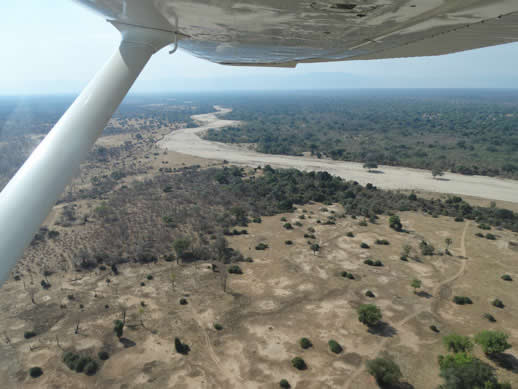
(287, 32)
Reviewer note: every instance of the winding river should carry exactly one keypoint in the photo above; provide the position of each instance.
(188, 141)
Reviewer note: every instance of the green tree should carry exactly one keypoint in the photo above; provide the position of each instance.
(118, 328)
(180, 246)
(395, 223)
(463, 371)
(416, 284)
(457, 343)
(369, 314)
(492, 342)
(384, 370)
(437, 172)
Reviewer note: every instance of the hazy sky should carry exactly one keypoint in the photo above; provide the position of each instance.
(56, 46)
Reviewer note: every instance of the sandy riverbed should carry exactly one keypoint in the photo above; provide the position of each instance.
(187, 141)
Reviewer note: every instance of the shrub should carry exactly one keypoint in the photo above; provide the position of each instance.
(181, 348)
(334, 346)
(283, 219)
(498, 303)
(457, 343)
(118, 328)
(363, 223)
(183, 301)
(489, 317)
(395, 223)
(81, 363)
(347, 275)
(288, 242)
(288, 226)
(298, 224)
(29, 334)
(284, 384)
(350, 234)
(382, 242)
(490, 236)
(91, 368)
(376, 263)
(261, 246)
(305, 343)
(484, 226)
(256, 220)
(103, 355)
(459, 219)
(299, 363)
(479, 234)
(35, 372)
(384, 370)
(434, 328)
(142, 283)
(507, 277)
(149, 277)
(369, 314)
(462, 300)
(369, 294)
(218, 326)
(235, 269)
(426, 248)
(492, 342)
(364, 245)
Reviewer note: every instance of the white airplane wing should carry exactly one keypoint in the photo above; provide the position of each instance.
(287, 32)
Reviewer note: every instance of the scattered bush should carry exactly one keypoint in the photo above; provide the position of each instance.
(35, 372)
(369, 294)
(382, 242)
(490, 236)
(479, 234)
(288, 226)
(369, 314)
(462, 300)
(103, 355)
(384, 370)
(118, 328)
(256, 220)
(181, 348)
(395, 223)
(459, 219)
(299, 363)
(350, 234)
(434, 328)
(149, 277)
(376, 263)
(218, 327)
(462, 370)
(91, 368)
(305, 343)
(288, 242)
(484, 226)
(29, 334)
(334, 346)
(347, 275)
(492, 342)
(426, 248)
(498, 303)
(183, 301)
(507, 277)
(457, 343)
(235, 269)
(489, 317)
(284, 384)
(261, 246)
(364, 245)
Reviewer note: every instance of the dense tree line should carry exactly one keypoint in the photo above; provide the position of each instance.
(466, 132)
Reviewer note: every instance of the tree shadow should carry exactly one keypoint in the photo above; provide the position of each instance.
(383, 329)
(506, 361)
(424, 294)
(127, 343)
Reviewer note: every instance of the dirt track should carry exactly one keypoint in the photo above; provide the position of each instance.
(188, 142)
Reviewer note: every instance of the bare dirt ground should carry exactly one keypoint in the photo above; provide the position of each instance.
(187, 141)
(286, 293)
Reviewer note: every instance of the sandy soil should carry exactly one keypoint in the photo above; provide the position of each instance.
(187, 141)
